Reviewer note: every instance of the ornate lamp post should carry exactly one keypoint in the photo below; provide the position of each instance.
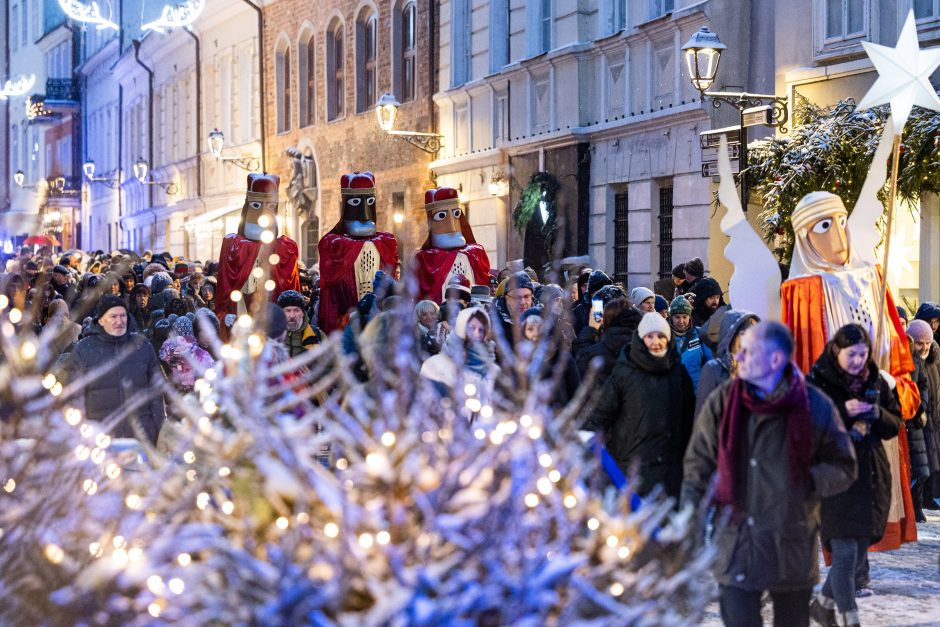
(216, 141)
(88, 168)
(141, 172)
(387, 109)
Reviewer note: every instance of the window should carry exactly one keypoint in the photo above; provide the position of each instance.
(460, 36)
(545, 26)
(541, 105)
(14, 22)
(665, 232)
(926, 9)
(335, 74)
(282, 68)
(621, 237)
(845, 19)
(307, 81)
(311, 231)
(499, 35)
(366, 43)
(658, 8)
(408, 52)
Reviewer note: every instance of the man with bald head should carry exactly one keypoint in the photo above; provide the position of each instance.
(775, 446)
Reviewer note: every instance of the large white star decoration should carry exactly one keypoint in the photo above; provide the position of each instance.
(903, 75)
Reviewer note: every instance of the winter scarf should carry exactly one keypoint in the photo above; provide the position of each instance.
(743, 401)
(474, 356)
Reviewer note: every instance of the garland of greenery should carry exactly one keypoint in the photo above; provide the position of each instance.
(542, 187)
(831, 149)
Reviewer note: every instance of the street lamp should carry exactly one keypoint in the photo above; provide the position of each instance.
(142, 169)
(702, 55)
(88, 168)
(386, 110)
(19, 178)
(216, 141)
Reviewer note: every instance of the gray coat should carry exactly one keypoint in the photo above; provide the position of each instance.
(135, 371)
(774, 544)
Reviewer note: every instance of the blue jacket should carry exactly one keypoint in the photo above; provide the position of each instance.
(693, 352)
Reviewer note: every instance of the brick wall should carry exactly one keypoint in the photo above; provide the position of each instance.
(353, 142)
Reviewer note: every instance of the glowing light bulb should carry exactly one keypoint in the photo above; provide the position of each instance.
(257, 273)
(545, 460)
(155, 584)
(47, 382)
(554, 475)
(531, 499)
(486, 411)
(189, 457)
(623, 553)
(473, 404)
(135, 554)
(154, 609)
(496, 437)
(535, 433)
(95, 549)
(133, 501)
(56, 389)
(72, 415)
(544, 486)
(228, 507)
(264, 221)
(269, 285)
(281, 523)
(202, 500)
(383, 537)
(570, 501)
(593, 524)
(235, 296)
(244, 321)
(366, 540)
(54, 553)
(470, 389)
(119, 542)
(342, 463)
(102, 440)
(10, 485)
(16, 315)
(176, 585)
(303, 518)
(28, 350)
(388, 438)
(267, 237)
(612, 541)
(331, 530)
(479, 434)
(525, 421)
(119, 557)
(82, 452)
(89, 486)
(616, 589)
(112, 471)
(274, 259)
(225, 471)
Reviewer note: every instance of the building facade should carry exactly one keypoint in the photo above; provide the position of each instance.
(596, 94)
(835, 67)
(326, 65)
(43, 126)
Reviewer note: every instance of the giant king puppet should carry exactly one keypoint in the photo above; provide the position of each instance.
(450, 248)
(243, 254)
(834, 280)
(352, 252)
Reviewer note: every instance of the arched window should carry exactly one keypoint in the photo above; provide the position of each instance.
(335, 72)
(409, 23)
(306, 69)
(366, 44)
(282, 70)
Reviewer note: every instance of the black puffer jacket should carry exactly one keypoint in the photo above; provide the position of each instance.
(916, 437)
(862, 510)
(608, 346)
(133, 370)
(932, 428)
(645, 412)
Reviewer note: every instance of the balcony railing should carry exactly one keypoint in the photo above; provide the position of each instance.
(62, 89)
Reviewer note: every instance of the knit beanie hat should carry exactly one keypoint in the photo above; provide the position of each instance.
(277, 321)
(706, 288)
(608, 293)
(919, 331)
(160, 281)
(60, 270)
(661, 304)
(680, 305)
(695, 267)
(108, 302)
(651, 322)
(519, 280)
(639, 294)
(183, 326)
(205, 315)
(528, 313)
(291, 298)
(597, 280)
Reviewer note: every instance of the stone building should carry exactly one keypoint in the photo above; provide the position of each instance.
(326, 65)
(597, 94)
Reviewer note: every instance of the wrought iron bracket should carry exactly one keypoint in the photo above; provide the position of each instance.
(744, 100)
(428, 142)
(245, 163)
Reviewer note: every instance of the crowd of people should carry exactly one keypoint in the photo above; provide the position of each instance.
(691, 396)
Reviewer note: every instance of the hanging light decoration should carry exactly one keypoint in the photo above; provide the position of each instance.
(86, 13)
(178, 16)
(17, 87)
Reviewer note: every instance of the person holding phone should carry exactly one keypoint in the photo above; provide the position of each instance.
(855, 519)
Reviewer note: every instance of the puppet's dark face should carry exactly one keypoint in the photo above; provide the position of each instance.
(359, 215)
(257, 217)
(444, 227)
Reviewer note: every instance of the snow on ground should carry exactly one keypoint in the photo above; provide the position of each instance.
(906, 583)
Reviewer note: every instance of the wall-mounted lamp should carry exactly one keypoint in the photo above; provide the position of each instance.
(141, 171)
(216, 141)
(19, 178)
(497, 184)
(386, 110)
(88, 168)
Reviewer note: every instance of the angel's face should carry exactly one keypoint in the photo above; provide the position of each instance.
(829, 239)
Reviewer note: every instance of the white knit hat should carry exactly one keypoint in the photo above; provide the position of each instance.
(651, 322)
(639, 294)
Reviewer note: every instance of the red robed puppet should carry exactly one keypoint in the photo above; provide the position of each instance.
(352, 252)
(244, 251)
(450, 248)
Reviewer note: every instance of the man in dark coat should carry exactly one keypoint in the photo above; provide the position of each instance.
(778, 446)
(707, 298)
(133, 371)
(924, 347)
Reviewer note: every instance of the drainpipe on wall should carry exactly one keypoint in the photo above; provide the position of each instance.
(136, 43)
(432, 73)
(8, 201)
(199, 137)
(260, 76)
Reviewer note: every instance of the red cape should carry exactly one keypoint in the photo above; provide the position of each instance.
(434, 264)
(338, 254)
(236, 260)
